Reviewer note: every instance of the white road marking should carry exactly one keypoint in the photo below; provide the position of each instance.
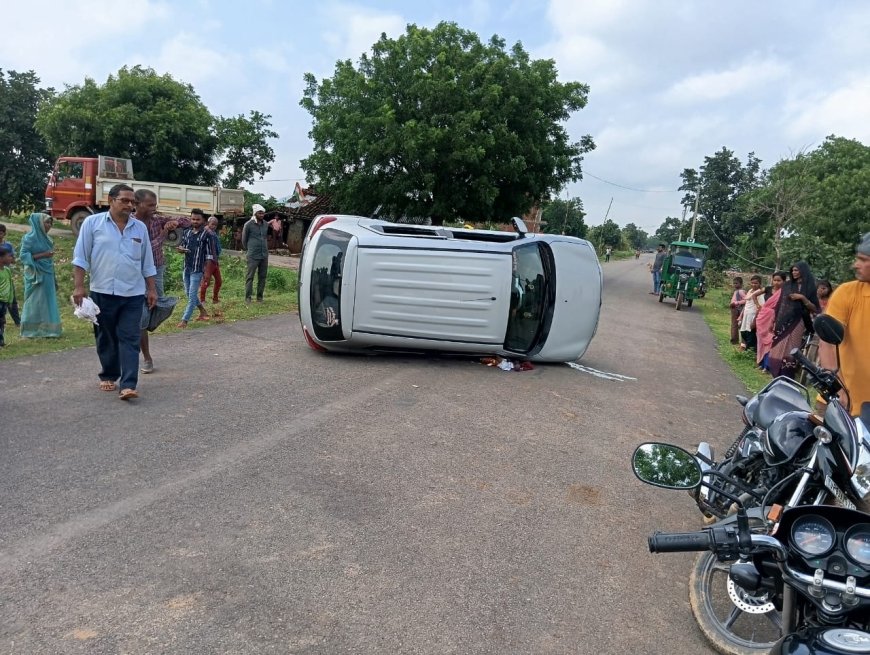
(606, 375)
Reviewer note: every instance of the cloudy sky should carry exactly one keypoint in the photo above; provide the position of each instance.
(671, 80)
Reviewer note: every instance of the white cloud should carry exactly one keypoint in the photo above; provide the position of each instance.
(356, 29)
(841, 111)
(51, 37)
(722, 84)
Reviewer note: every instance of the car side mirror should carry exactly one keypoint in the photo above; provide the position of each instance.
(829, 329)
(667, 466)
(519, 226)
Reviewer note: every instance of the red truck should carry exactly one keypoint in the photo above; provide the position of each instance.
(79, 187)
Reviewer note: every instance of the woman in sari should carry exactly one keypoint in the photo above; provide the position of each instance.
(766, 317)
(798, 300)
(39, 316)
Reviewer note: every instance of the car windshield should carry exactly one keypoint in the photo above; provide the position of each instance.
(686, 259)
(529, 298)
(326, 273)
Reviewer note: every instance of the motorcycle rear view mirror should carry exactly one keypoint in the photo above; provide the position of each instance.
(666, 466)
(829, 329)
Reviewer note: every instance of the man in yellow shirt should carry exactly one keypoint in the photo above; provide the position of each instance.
(850, 304)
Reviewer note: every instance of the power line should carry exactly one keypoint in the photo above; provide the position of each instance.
(629, 188)
(756, 264)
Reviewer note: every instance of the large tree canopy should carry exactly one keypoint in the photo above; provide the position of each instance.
(437, 123)
(161, 124)
(565, 217)
(24, 161)
(722, 181)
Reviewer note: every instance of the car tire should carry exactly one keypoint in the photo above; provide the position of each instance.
(77, 218)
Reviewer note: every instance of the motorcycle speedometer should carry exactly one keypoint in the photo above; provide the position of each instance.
(858, 543)
(813, 536)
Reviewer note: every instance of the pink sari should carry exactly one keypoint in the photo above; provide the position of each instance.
(764, 322)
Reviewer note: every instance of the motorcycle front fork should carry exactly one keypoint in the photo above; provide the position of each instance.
(801, 487)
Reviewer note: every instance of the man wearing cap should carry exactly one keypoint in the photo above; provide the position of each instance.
(850, 304)
(254, 241)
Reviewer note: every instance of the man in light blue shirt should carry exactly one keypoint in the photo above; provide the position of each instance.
(115, 250)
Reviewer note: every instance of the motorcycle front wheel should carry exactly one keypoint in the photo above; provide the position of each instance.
(734, 621)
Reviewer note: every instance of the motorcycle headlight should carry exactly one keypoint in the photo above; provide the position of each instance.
(861, 477)
(683, 277)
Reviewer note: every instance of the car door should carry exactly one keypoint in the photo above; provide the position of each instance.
(435, 294)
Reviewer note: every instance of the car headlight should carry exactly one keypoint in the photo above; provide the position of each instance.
(861, 477)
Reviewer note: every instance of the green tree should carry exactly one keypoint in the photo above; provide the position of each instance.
(24, 160)
(436, 123)
(840, 173)
(565, 217)
(633, 236)
(606, 234)
(158, 122)
(669, 230)
(722, 181)
(244, 144)
(268, 203)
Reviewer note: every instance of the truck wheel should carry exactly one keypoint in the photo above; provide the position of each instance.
(77, 218)
(679, 300)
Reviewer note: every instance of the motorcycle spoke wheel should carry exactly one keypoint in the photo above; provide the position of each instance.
(734, 621)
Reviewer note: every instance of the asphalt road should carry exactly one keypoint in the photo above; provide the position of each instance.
(263, 498)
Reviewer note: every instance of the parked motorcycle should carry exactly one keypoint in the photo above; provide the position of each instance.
(786, 456)
(778, 441)
(814, 567)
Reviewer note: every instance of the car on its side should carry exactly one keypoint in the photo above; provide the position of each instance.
(371, 285)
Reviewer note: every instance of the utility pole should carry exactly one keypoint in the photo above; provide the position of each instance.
(695, 215)
(682, 222)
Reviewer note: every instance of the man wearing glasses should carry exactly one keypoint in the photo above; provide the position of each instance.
(115, 250)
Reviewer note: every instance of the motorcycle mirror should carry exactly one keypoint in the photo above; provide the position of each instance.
(666, 466)
(829, 329)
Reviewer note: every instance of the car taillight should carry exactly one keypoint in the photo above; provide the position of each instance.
(311, 342)
(319, 224)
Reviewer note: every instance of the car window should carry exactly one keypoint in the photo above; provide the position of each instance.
(529, 298)
(326, 273)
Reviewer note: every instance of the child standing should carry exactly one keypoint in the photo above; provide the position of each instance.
(7, 292)
(738, 299)
(13, 306)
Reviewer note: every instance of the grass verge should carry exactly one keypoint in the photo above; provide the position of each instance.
(716, 312)
(280, 297)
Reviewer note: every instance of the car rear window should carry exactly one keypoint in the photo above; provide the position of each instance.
(326, 273)
(531, 305)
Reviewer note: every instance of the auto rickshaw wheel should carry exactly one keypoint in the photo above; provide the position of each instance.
(680, 297)
(689, 302)
(661, 296)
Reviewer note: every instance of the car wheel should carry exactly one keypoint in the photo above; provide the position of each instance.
(77, 218)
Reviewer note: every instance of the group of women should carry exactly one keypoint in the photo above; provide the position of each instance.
(40, 316)
(786, 316)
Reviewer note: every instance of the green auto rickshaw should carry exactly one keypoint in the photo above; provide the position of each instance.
(683, 273)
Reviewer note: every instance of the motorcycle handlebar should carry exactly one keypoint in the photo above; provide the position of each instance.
(825, 381)
(676, 542)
